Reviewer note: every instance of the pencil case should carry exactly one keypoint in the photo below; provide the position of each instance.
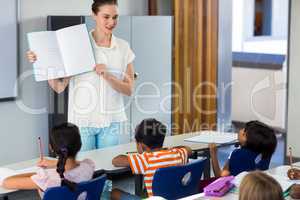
(219, 187)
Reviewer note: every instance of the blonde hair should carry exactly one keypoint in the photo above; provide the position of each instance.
(260, 186)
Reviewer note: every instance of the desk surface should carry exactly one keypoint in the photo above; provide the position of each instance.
(103, 157)
(280, 170)
(99, 156)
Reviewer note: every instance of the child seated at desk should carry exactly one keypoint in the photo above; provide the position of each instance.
(149, 136)
(257, 144)
(65, 142)
(260, 186)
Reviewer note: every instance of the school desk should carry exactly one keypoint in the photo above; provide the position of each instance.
(103, 157)
(279, 170)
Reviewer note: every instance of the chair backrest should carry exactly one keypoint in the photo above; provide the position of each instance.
(91, 189)
(262, 164)
(178, 181)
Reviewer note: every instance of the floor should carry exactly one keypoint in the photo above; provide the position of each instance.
(127, 184)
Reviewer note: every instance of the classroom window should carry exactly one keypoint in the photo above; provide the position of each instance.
(263, 17)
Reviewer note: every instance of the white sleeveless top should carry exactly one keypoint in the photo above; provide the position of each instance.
(92, 101)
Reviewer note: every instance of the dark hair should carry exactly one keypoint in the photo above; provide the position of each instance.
(151, 133)
(259, 186)
(65, 142)
(99, 3)
(260, 138)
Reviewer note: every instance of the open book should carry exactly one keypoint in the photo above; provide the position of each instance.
(62, 53)
(6, 172)
(282, 179)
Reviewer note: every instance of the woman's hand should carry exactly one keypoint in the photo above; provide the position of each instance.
(46, 163)
(31, 56)
(101, 70)
(294, 174)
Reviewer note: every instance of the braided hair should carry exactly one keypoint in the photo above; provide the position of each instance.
(65, 142)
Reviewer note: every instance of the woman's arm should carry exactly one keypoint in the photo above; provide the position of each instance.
(22, 181)
(59, 85)
(124, 86)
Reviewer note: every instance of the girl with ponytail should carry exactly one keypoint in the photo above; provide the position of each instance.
(66, 171)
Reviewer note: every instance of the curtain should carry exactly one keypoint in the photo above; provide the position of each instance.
(194, 65)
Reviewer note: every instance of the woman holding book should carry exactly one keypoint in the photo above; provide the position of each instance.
(96, 98)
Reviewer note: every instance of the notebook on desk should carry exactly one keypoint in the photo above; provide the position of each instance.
(284, 182)
(213, 137)
(6, 172)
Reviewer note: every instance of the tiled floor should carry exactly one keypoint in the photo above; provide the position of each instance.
(127, 184)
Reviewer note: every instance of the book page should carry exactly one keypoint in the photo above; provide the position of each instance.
(76, 49)
(284, 182)
(49, 64)
(6, 172)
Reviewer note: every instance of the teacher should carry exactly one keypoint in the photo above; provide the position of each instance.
(96, 98)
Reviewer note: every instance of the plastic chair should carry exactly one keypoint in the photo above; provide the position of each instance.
(178, 181)
(92, 190)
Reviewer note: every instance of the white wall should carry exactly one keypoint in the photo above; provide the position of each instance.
(243, 23)
(269, 103)
(19, 127)
(293, 130)
(237, 25)
(280, 16)
(259, 94)
(263, 44)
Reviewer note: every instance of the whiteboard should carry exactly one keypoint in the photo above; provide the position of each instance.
(8, 48)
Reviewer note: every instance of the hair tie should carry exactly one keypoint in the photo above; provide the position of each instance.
(64, 151)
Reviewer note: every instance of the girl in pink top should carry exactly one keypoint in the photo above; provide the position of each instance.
(65, 142)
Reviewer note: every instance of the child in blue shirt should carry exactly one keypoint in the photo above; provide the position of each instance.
(257, 144)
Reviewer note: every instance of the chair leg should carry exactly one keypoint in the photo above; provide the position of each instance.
(138, 182)
(5, 197)
(207, 168)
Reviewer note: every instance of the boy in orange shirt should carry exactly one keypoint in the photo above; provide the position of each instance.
(149, 136)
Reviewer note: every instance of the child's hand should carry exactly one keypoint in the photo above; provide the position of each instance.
(295, 191)
(293, 174)
(46, 163)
